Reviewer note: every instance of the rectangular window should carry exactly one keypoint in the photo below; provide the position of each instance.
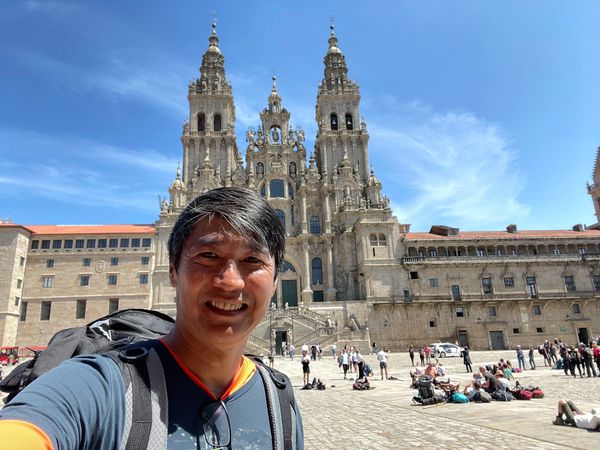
(91, 243)
(531, 287)
(145, 260)
(49, 263)
(537, 310)
(68, 243)
(516, 331)
(87, 262)
(23, 312)
(56, 244)
(112, 280)
(480, 252)
(113, 243)
(556, 251)
(35, 245)
(84, 280)
(459, 311)
(456, 292)
(596, 280)
(113, 305)
(48, 281)
(414, 275)
(144, 278)
(102, 243)
(318, 296)
(19, 283)
(407, 297)
(581, 251)
(124, 242)
(276, 189)
(135, 242)
(114, 261)
(509, 282)
(45, 244)
(45, 311)
(570, 283)
(433, 253)
(539, 330)
(17, 300)
(486, 284)
(433, 282)
(432, 324)
(79, 243)
(491, 311)
(80, 311)
(22, 261)
(576, 309)
(146, 242)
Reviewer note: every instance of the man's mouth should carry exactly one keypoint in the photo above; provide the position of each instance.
(221, 306)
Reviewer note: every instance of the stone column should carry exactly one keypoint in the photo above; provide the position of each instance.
(327, 211)
(306, 291)
(329, 267)
(304, 224)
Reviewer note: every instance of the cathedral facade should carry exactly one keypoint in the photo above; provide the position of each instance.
(352, 273)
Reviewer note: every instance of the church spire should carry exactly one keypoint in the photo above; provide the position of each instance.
(336, 71)
(212, 70)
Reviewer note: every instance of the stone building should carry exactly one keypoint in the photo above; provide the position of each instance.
(352, 273)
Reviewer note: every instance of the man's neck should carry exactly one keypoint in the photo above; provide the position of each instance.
(215, 367)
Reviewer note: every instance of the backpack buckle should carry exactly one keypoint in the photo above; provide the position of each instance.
(134, 354)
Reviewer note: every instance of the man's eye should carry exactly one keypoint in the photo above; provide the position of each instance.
(254, 260)
(209, 255)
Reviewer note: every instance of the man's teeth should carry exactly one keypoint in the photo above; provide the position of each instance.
(227, 306)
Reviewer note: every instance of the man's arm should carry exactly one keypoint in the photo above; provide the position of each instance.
(79, 404)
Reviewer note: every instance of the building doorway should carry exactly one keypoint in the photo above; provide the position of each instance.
(497, 340)
(463, 338)
(583, 336)
(280, 341)
(289, 292)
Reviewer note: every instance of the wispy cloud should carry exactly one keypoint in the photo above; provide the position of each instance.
(451, 168)
(49, 6)
(77, 171)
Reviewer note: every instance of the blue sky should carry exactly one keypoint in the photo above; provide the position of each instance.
(480, 113)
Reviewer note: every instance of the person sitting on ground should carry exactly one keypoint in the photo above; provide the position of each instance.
(431, 370)
(508, 371)
(490, 383)
(575, 417)
(441, 370)
(502, 382)
(472, 389)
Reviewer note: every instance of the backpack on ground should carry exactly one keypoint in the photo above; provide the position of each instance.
(482, 396)
(361, 385)
(502, 396)
(425, 387)
(458, 397)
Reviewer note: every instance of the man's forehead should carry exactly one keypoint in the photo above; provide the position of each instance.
(217, 232)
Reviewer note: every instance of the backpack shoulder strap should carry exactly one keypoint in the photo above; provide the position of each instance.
(146, 403)
(278, 388)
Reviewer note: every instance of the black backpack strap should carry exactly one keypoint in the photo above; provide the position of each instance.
(278, 385)
(146, 404)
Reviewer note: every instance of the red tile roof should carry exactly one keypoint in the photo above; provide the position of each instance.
(520, 235)
(91, 229)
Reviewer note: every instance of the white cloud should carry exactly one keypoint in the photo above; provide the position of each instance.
(450, 168)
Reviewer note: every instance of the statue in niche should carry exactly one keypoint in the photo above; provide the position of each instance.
(259, 136)
(386, 202)
(363, 203)
(275, 135)
(347, 192)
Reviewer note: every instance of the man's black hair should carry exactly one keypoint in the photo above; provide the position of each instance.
(247, 213)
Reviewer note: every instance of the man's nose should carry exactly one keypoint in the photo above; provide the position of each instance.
(230, 278)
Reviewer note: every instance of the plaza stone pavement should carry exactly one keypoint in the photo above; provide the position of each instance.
(385, 418)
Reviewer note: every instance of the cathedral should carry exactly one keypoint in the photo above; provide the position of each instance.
(352, 273)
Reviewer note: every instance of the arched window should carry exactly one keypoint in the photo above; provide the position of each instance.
(373, 240)
(263, 191)
(315, 225)
(281, 216)
(260, 168)
(317, 271)
(217, 122)
(292, 215)
(292, 168)
(286, 267)
(349, 122)
(334, 121)
(201, 122)
(276, 189)
(382, 240)
(290, 190)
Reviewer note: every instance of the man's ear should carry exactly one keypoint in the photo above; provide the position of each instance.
(274, 286)
(172, 275)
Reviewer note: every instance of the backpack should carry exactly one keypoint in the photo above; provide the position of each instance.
(425, 387)
(360, 385)
(483, 397)
(502, 396)
(458, 397)
(126, 337)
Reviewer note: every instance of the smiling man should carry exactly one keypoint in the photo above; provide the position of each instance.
(224, 252)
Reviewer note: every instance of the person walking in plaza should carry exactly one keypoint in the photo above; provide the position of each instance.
(467, 359)
(292, 351)
(587, 359)
(360, 364)
(427, 351)
(345, 362)
(596, 353)
(411, 354)
(305, 367)
(531, 358)
(373, 349)
(521, 357)
(422, 356)
(333, 349)
(382, 357)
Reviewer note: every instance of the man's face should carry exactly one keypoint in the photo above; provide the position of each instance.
(224, 283)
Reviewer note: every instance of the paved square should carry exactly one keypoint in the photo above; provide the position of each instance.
(341, 418)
